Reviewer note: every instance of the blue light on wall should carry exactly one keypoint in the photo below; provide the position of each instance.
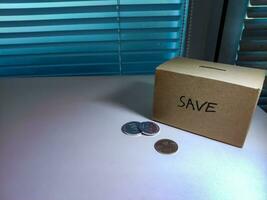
(89, 37)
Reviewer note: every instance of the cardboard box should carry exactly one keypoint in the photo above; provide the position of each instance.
(210, 99)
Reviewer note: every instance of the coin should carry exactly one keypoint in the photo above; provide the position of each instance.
(149, 128)
(166, 146)
(131, 128)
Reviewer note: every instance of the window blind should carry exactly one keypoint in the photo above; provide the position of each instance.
(253, 44)
(91, 37)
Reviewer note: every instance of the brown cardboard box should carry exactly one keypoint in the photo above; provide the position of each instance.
(210, 99)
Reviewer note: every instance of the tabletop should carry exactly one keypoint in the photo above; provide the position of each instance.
(61, 139)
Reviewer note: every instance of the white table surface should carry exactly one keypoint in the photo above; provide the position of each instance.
(60, 139)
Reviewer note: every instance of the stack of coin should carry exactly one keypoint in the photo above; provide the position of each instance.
(135, 128)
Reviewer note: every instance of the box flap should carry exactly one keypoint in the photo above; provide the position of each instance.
(248, 77)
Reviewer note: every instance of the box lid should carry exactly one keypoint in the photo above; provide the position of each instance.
(248, 77)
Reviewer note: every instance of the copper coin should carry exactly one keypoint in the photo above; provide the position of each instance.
(166, 146)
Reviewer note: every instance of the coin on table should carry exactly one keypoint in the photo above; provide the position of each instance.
(166, 146)
(131, 128)
(149, 128)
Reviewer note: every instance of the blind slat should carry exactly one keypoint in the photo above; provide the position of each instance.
(58, 22)
(254, 34)
(57, 11)
(253, 45)
(17, 18)
(59, 48)
(59, 4)
(60, 33)
(57, 59)
(59, 70)
(58, 39)
(148, 2)
(257, 12)
(254, 64)
(252, 56)
(144, 36)
(76, 27)
(258, 2)
(137, 68)
(150, 7)
(141, 57)
(256, 23)
(149, 13)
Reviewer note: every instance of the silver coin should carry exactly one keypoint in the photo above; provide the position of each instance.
(166, 146)
(131, 128)
(149, 128)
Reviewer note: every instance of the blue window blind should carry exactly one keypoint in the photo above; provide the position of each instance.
(253, 44)
(89, 37)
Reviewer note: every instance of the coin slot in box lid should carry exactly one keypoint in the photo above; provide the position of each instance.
(215, 68)
(183, 91)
